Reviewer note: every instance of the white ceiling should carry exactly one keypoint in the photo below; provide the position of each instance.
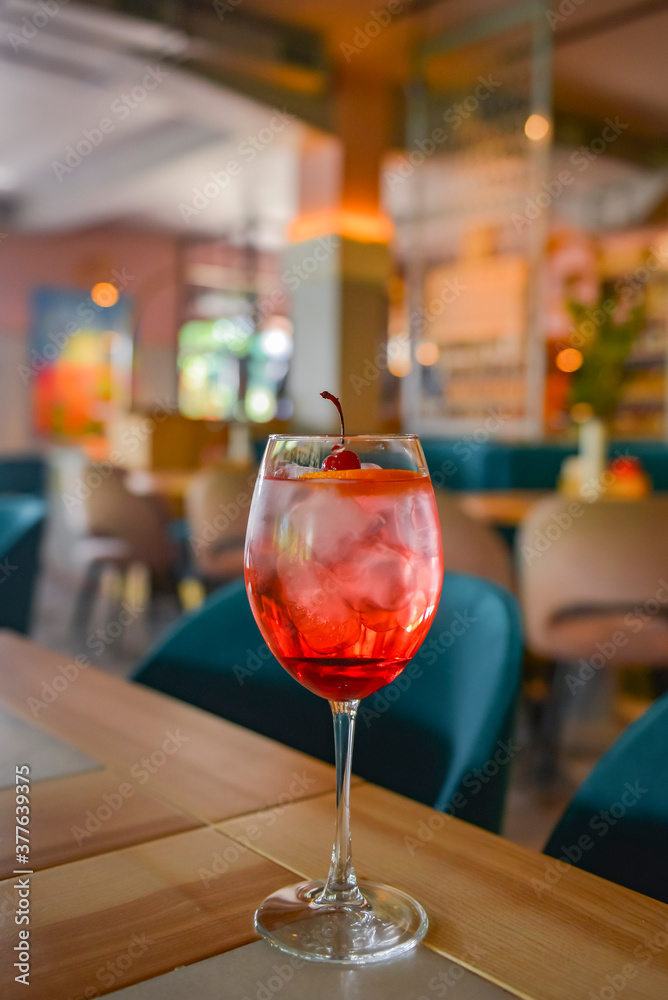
(77, 67)
(74, 73)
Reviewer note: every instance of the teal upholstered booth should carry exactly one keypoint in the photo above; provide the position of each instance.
(23, 474)
(440, 733)
(487, 464)
(21, 523)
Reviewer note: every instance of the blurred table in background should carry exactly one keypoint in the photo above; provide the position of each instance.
(170, 484)
(499, 508)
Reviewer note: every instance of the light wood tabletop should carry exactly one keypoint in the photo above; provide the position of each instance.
(506, 508)
(158, 858)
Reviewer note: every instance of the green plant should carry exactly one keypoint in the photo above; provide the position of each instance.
(601, 378)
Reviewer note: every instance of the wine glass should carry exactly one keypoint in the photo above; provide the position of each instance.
(344, 569)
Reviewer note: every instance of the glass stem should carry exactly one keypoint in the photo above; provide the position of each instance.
(341, 884)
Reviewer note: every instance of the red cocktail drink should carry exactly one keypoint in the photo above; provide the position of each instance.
(344, 572)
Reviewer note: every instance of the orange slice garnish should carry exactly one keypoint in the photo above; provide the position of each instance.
(365, 475)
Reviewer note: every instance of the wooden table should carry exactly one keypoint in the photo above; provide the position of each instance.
(204, 818)
(169, 483)
(173, 484)
(506, 508)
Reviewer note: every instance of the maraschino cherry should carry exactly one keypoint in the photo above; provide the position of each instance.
(341, 458)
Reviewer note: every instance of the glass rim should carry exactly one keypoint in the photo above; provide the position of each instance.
(346, 437)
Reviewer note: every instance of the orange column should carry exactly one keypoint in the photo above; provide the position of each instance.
(339, 263)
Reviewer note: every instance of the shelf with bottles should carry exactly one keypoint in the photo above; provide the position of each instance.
(642, 409)
(472, 339)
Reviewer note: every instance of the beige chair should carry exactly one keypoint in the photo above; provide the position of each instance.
(593, 581)
(119, 530)
(217, 503)
(469, 546)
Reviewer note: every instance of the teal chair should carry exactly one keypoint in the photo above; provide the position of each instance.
(23, 474)
(21, 523)
(616, 826)
(441, 733)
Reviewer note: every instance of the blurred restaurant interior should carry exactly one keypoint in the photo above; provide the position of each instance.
(452, 214)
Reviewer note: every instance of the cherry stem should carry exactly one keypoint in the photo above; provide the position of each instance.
(337, 404)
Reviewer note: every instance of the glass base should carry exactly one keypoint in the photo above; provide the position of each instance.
(387, 924)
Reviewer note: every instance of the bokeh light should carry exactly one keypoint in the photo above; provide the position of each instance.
(399, 361)
(276, 338)
(427, 353)
(260, 403)
(536, 127)
(104, 294)
(233, 335)
(581, 412)
(568, 360)
(194, 372)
